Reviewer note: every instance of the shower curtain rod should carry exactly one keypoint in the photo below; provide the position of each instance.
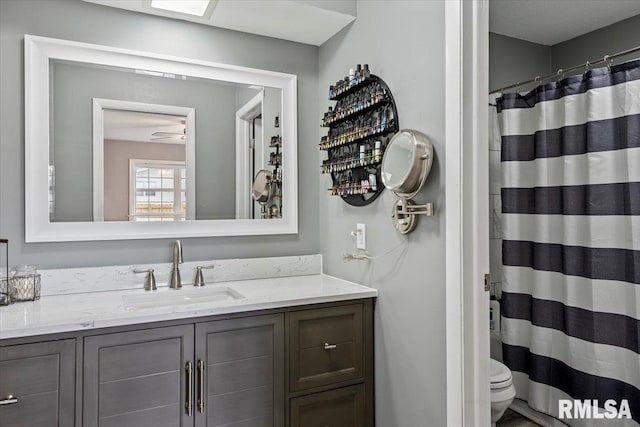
(562, 71)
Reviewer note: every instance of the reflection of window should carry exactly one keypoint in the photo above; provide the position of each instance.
(157, 190)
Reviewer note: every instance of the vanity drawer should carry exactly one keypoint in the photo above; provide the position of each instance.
(326, 346)
(41, 379)
(343, 407)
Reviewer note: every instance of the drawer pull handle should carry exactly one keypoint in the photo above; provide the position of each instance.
(201, 386)
(328, 346)
(9, 400)
(189, 401)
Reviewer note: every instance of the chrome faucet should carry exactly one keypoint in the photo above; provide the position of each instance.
(174, 277)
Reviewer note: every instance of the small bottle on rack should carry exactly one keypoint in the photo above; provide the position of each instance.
(336, 88)
(377, 124)
(372, 182)
(359, 74)
(377, 151)
(384, 123)
(365, 71)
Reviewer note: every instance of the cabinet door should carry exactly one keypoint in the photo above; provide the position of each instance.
(138, 378)
(343, 407)
(325, 346)
(240, 372)
(40, 378)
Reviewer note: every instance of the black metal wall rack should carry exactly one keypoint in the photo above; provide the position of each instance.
(360, 125)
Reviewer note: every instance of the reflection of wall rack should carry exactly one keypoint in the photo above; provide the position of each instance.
(273, 207)
(360, 124)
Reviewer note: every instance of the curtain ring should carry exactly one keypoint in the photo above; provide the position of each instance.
(537, 80)
(608, 59)
(559, 73)
(587, 66)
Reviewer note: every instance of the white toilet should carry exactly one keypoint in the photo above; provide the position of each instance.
(502, 390)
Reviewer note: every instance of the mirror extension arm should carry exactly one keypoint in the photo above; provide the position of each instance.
(406, 164)
(404, 214)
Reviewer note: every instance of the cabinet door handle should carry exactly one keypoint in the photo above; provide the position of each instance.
(9, 400)
(328, 346)
(201, 386)
(188, 401)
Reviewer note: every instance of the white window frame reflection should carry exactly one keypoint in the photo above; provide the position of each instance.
(175, 193)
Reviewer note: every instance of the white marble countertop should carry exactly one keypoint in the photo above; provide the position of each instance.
(91, 310)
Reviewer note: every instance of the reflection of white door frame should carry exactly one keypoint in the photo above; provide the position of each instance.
(99, 105)
(244, 176)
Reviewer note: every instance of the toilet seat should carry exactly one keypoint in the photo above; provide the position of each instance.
(500, 375)
(502, 390)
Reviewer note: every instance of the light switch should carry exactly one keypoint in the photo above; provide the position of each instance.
(361, 236)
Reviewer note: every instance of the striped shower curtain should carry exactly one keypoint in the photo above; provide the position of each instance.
(570, 305)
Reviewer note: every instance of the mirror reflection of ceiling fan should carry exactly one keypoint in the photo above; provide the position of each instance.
(165, 136)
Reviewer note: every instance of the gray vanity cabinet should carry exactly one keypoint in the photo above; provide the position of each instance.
(307, 366)
(139, 378)
(326, 346)
(37, 384)
(240, 372)
(331, 366)
(342, 407)
(151, 377)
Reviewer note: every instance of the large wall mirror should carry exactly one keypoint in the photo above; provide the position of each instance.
(123, 144)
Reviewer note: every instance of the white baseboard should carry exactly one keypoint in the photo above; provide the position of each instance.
(521, 407)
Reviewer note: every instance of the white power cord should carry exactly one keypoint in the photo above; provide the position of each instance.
(366, 257)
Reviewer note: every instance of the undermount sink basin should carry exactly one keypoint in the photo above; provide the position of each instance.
(185, 295)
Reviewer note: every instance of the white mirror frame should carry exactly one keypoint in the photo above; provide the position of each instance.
(38, 228)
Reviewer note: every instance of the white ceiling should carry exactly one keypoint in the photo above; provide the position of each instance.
(550, 22)
(140, 127)
(303, 21)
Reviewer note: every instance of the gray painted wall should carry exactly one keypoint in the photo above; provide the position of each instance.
(513, 60)
(74, 87)
(86, 22)
(596, 44)
(409, 271)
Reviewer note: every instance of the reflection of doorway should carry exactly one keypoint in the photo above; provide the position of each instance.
(140, 131)
(257, 159)
(249, 155)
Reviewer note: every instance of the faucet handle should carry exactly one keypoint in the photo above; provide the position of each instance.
(149, 280)
(199, 281)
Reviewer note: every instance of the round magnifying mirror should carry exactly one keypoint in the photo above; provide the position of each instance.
(406, 163)
(261, 189)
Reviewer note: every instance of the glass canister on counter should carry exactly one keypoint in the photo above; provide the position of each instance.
(4, 272)
(24, 283)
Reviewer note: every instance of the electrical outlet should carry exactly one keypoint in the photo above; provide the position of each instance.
(361, 236)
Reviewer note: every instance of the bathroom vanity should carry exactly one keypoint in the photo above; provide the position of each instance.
(292, 351)
(266, 343)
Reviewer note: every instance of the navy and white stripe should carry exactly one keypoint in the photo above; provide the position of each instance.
(571, 239)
